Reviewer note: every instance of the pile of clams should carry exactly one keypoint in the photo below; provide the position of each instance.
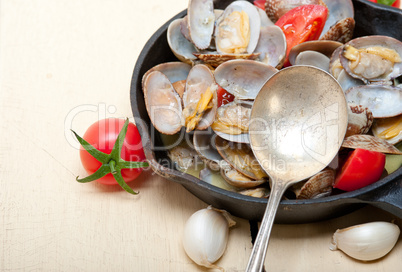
(238, 49)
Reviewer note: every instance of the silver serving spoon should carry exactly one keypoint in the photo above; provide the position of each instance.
(298, 122)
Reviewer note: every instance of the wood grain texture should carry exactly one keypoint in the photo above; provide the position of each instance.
(65, 64)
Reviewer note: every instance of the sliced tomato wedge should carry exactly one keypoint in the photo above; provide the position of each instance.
(224, 96)
(303, 23)
(261, 4)
(361, 168)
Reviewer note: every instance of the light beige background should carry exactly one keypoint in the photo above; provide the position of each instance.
(64, 64)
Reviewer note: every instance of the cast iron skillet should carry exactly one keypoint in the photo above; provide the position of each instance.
(385, 194)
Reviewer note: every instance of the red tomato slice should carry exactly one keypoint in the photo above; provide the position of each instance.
(303, 23)
(260, 4)
(397, 4)
(224, 96)
(361, 168)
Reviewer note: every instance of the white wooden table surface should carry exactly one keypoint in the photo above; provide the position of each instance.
(65, 64)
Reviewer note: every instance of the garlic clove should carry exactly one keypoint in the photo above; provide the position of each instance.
(366, 242)
(205, 236)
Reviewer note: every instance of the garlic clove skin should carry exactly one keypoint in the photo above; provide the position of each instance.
(366, 242)
(205, 236)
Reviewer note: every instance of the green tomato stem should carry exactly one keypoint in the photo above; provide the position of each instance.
(101, 172)
(112, 165)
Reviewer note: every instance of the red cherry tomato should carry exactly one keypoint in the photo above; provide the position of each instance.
(102, 135)
(260, 4)
(303, 23)
(361, 168)
(224, 96)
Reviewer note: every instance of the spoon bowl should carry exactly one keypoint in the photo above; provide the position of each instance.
(298, 122)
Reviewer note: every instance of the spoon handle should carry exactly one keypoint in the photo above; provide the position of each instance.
(257, 257)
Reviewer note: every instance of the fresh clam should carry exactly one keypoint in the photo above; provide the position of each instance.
(338, 10)
(313, 58)
(199, 98)
(335, 66)
(204, 144)
(347, 82)
(319, 185)
(389, 129)
(200, 22)
(163, 103)
(232, 121)
(381, 100)
(373, 58)
(237, 30)
(183, 157)
(241, 158)
(243, 78)
(232, 118)
(324, 47)
(175, 71)
(272, 46)
(342, 31)
(360, 120)
(238, 180)
(370, 143)
(180, 46)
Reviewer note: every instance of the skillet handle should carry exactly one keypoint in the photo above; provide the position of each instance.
(387, 197)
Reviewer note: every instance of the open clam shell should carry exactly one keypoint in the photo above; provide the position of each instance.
(360, 120)
(389, 129)
(319, 185)
(335, 66)
(243, 78)
(184, 158)
(236, 115)
(180, 46)
(163, 103)
(337, 11)
(381, 100)
(240, 157)
(347, 82)
(237, 179)
(175, 71)
(199, 79)
(272, 46)
(370, 142)
(201, 20)
(372, 67)
(342, 31)
(227, 33)
(324, 47)
(313, 58)
(204, 144)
